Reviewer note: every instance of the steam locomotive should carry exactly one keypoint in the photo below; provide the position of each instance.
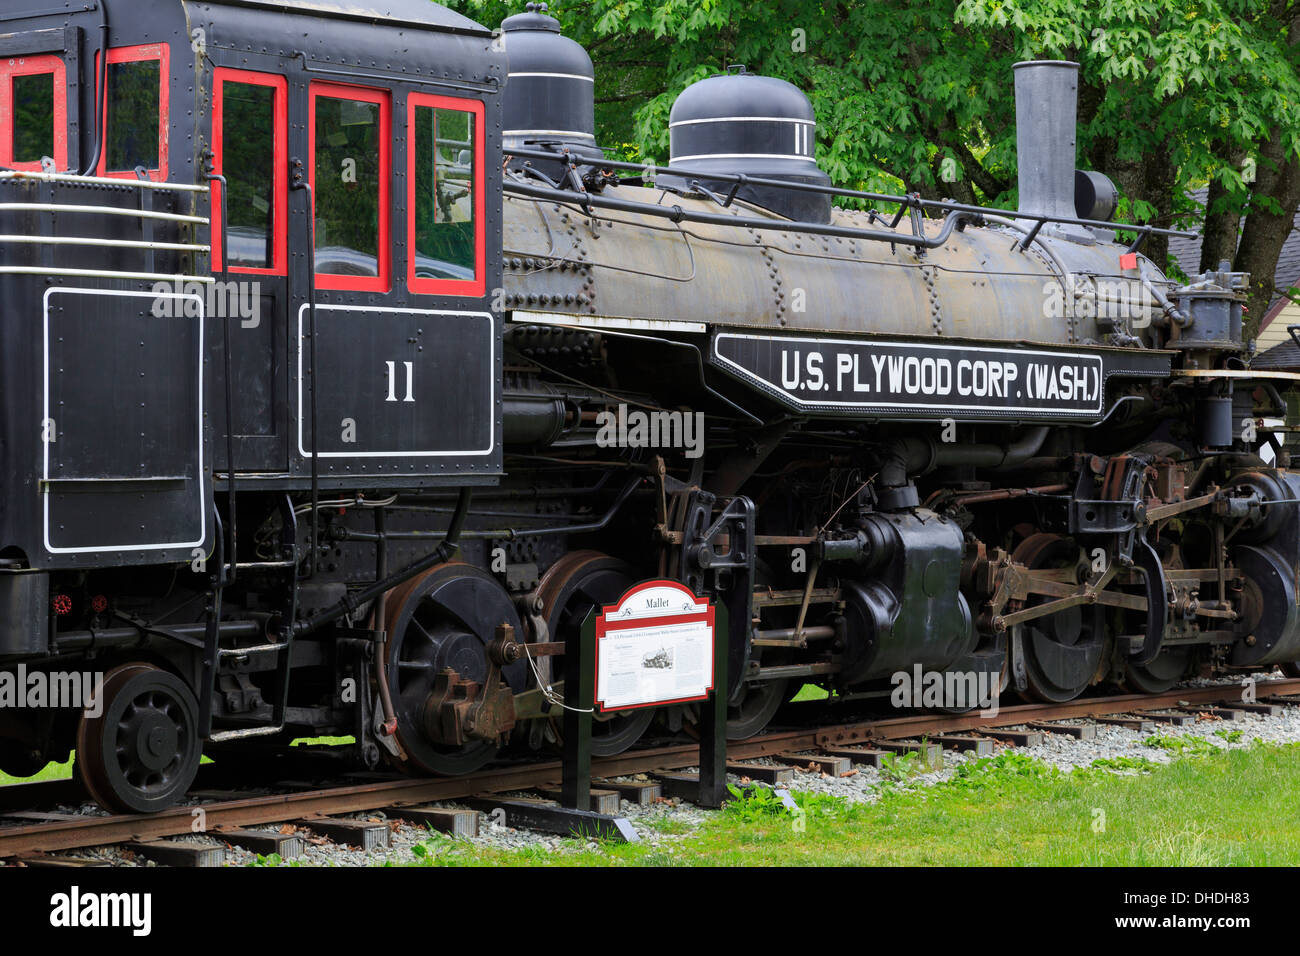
(344, 375)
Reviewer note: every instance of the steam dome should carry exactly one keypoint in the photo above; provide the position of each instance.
(756, 125)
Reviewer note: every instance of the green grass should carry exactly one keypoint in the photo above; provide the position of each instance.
(62, 771)
(51, 771)
(1189, 746)
(56, 771)
(322, 741)
(1124, 764)
(1224, 808)
(811, 692)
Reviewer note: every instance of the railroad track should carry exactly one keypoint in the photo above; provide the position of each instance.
(37, 837)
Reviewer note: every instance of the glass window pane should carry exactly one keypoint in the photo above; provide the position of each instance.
(133, 106)
(347, 187)
(248, 163)
(444, 193)
(33, 117)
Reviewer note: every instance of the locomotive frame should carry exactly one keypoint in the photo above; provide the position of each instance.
(242, 585)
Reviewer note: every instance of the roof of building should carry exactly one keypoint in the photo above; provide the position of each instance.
(1283, 356)
(1275, 348)
(1188, 254)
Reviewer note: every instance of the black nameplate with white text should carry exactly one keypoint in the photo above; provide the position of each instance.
(887, 379)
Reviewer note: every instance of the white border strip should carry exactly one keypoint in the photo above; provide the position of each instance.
(520, 317)
(491, 398)
(688, 159)
(45, 416)
(549, 132)
(742, 119)
(557, 76)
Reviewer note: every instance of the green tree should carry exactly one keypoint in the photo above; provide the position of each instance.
(1174, 95)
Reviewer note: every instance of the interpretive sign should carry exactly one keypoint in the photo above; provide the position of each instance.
(654, 647)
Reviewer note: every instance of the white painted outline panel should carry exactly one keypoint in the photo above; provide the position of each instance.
(45, 416)
(491, 400)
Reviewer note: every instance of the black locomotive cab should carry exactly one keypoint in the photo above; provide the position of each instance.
(246, 273)
(289, 206)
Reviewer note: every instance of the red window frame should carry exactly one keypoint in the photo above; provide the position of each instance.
(12, 67)
(383, 98)
(463, 287)
(280, 175)
(135, 54)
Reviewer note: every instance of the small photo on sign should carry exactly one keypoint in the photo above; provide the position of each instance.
(661, 659)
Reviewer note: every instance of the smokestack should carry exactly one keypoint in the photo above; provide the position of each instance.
(1046, 126)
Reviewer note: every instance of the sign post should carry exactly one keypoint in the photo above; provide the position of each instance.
(579, 697)
(713, 722)
(657, 645)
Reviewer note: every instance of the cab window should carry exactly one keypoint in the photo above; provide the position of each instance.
(446, 199)
(350, 136)
(249, 131)
(33, 104)
(135, 130)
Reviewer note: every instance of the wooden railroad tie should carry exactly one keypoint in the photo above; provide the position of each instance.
(639, 793)
(361, 834)
(548, 817)
(459, 823)
(826, 763)
(1077, 731)
(1019, 738)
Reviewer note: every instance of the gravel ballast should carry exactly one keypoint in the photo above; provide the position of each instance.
(665, 822)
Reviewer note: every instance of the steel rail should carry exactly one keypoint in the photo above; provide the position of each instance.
(404, 791)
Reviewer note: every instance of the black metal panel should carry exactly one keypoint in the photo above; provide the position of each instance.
(877, 378)
(123, 400)
(24, 613)
(271, 38)
(401, 387)
(260, 376)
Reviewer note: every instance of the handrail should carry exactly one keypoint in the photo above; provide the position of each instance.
(103, 210)
(95, 241)
(100, 180)
(904, 202)
(678, 214)
(104, 274)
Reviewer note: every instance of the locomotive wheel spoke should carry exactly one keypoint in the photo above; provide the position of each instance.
(442, 619)
(569, 590)
(758, 703)
(1061, 651)
(1158, 675)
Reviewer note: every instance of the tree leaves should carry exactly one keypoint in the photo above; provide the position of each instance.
(898, 85)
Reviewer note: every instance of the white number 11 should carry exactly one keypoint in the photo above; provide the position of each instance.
(392, 381)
